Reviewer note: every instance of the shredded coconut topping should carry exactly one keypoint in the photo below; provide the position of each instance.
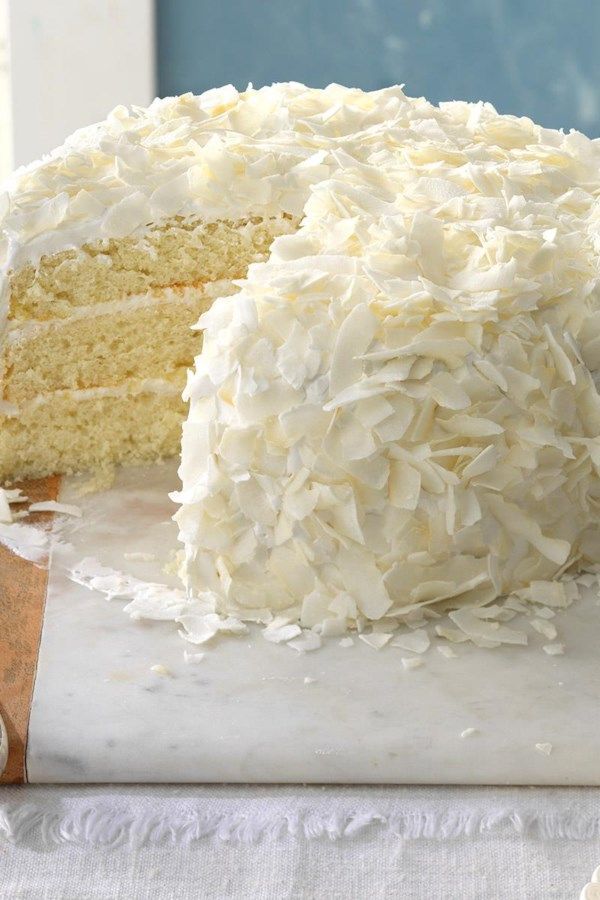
(398, 409)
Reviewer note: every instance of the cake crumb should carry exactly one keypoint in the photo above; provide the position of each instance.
(100, 480)
(161, 670)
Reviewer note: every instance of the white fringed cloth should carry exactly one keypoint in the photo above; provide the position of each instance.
(270, 842)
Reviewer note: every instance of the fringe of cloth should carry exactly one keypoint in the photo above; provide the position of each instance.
(110, 826)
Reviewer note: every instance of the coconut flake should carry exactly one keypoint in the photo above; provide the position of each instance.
(417, 641)
(548, 593)
(14, 495)
(545, 628)
(414, 662)
(25, 541)
(375, 640)
(161, 670)
(404, 485)
(353, 339)
(308, 641)
(192, 658)
(544, 612)
(478, 629)
(66, 509)
(447, 392)
(469, 732)
(587, 579)
(563, 364)
(454, 635)
(5, 513)
(516, 522)
(363, 580)
(554, 649)
(148, 600)
(482, 463)
(278, 631)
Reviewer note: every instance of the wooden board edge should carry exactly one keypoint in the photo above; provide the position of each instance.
(23, 586)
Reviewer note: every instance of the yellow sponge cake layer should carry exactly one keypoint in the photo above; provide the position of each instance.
(173, 253)
(142, 337)
(71, 431)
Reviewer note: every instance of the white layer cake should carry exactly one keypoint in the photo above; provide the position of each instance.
(394, 405)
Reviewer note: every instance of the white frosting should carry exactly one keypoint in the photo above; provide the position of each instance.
(186, 296)
(130, 388)
(223, 154)
(397, 409)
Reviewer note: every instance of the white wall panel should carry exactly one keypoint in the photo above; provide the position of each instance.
(71, 62)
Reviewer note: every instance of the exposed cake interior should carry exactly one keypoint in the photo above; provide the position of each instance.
(99, 340)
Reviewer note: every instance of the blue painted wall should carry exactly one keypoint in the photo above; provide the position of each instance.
(528, 57)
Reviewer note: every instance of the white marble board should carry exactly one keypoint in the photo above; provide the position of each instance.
(245, 713)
